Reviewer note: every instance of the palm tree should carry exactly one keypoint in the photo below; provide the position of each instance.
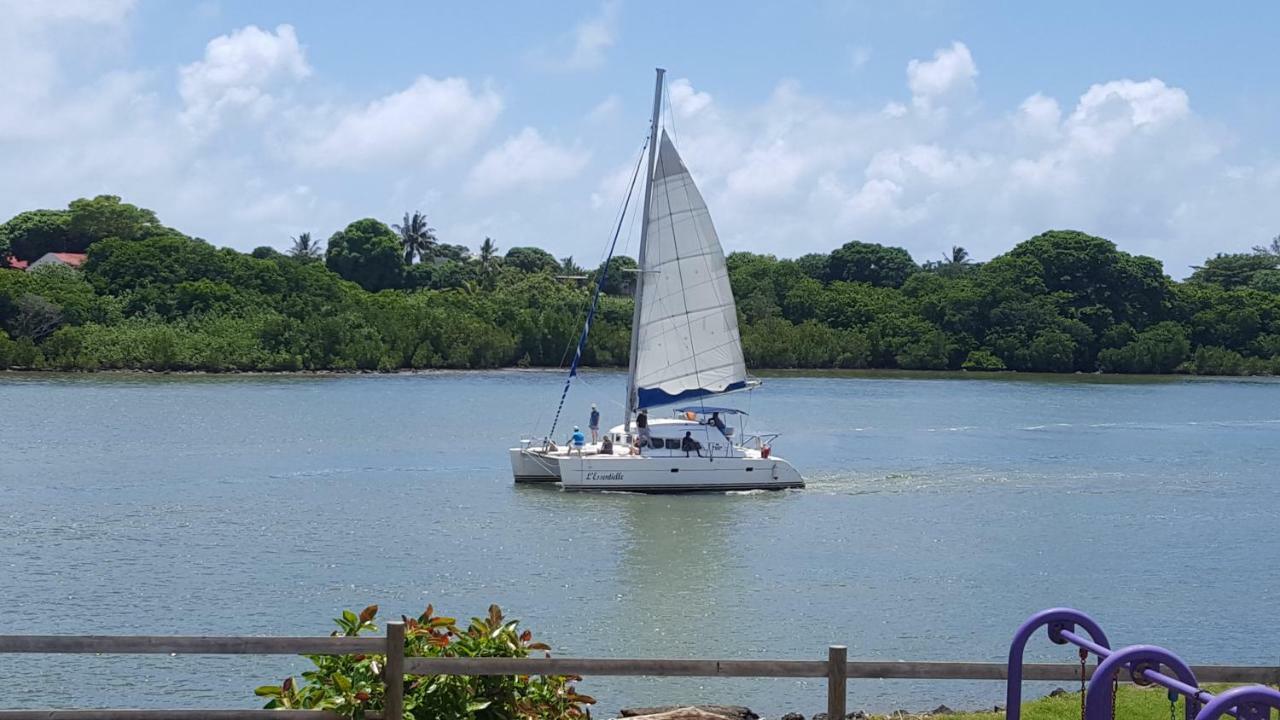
(569, 267)
(304, 248)
(1272, 249)
(488, 261)
(416, 237)
(958, 256)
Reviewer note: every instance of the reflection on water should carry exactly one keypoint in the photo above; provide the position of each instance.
(938, 515)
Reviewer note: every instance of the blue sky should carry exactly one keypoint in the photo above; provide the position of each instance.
(921, 124)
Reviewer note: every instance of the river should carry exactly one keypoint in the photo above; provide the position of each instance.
(941, 511)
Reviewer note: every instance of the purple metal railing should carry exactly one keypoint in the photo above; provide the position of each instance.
(1143, 663)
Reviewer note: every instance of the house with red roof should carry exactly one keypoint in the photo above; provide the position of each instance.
(66, 259)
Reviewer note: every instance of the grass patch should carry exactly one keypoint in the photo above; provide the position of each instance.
(1132, 703)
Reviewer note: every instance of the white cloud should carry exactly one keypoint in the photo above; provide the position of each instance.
(584, 48)
(951, 72)
(789, 173)
(686, 101)
(1129, 160)
(525, 161)
(1039, 116)
(33, 38)
(237, 73)
(605, 110)
(431, 121)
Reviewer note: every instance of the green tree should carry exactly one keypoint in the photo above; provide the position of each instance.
(952, 264)
(1160, 349)
(440, 252)
(871, 263)
(31, 234)
(367, 253)
(33, 317)
(105, 216)
(531, 260)
(1234, 270)
(416, 237)
(488, 262)
(305, 249)
(1271, 248)
(619, 276)
(571, 268)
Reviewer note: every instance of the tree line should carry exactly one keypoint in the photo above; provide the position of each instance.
(388, 297)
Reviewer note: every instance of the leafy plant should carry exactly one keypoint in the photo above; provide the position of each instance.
(352, 685)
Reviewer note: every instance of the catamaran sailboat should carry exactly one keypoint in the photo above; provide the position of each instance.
(685, 349)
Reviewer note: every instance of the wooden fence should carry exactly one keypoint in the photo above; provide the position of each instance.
(836, 669)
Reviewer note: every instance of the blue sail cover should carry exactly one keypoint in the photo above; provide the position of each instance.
(688, 345)
(654, 397)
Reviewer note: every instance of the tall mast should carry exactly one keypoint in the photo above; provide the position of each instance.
(632, 399)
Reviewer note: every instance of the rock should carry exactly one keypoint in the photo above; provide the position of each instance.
(857, 715)
(1057, 692)
(820, 716)
(710, 712)
(998, 708)
(680, 713)
(941, 710)
(792, 716)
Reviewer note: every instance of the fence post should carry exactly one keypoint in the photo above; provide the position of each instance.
(393, 673)
(837, 680)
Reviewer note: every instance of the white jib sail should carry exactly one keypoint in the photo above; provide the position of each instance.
(688, 344)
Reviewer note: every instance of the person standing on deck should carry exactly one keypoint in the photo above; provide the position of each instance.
(594, 424)
(642, 428)
(578, 440)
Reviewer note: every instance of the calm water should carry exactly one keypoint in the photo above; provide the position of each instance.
(941, 512)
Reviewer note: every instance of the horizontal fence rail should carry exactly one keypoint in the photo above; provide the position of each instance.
(189, 645)
(176, 715)
(836, 669)
(859, 670)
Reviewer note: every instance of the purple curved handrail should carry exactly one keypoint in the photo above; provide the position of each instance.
(1253, 702)
(1101, 693)
(1058, 619)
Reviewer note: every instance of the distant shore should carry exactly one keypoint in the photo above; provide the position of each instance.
(867, 373)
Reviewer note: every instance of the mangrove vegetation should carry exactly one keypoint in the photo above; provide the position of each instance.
(383, 297)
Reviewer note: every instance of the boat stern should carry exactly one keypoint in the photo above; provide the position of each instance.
(532, 466)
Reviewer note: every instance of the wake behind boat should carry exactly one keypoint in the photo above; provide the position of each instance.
(685, 348)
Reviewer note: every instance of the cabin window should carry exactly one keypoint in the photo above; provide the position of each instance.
(655, 443)
(673, 444)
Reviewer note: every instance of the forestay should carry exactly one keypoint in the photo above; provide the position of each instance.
(688, 343)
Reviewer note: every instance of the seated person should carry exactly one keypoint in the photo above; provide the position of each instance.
(606, 446)
(689, 445)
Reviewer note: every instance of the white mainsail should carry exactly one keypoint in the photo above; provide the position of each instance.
(688, 344)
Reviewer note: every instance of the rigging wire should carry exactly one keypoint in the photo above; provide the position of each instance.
(595, 296)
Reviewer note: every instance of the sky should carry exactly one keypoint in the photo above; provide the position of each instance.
(923, 124)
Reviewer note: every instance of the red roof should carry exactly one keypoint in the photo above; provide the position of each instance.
(72, 259)
(13, 262)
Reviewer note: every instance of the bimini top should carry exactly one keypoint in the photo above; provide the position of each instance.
(704, 410)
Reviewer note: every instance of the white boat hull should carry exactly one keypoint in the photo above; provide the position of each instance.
(532, 466)
(632, 473)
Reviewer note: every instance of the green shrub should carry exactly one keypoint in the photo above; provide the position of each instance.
(352, 685)
(1216, 361)
(983, 360)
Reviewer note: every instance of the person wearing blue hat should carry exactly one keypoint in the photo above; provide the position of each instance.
(578, 440)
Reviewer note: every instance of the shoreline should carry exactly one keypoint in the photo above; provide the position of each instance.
(860, 373)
